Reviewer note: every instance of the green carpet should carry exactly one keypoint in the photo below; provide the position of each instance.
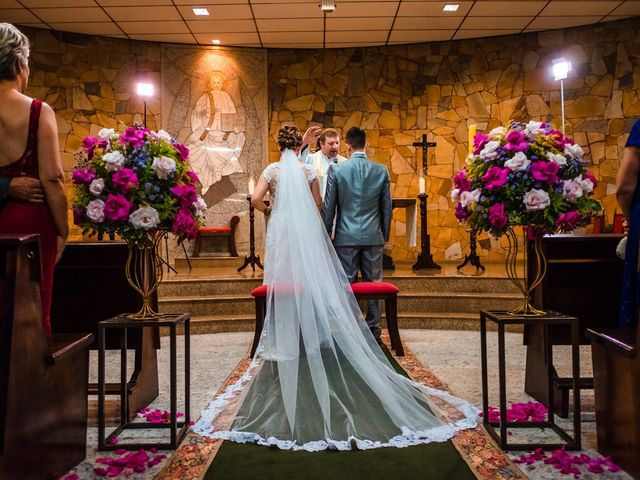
(439, 461)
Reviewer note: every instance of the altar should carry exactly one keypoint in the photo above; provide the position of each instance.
(409, 204)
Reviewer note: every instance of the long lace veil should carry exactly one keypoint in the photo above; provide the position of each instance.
(319, 380)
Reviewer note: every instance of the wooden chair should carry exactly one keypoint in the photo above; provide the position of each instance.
(222, 239)
(43, 380)
(616, 374)
(362, 291)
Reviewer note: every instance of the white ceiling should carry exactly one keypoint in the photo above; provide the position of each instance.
(301, 24)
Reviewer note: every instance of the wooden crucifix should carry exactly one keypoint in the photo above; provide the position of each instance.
(425, 259)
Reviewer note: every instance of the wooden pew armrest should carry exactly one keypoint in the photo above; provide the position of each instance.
(620, 340)
(63, 345)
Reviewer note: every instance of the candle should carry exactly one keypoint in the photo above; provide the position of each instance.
(472, 133)
(422, 184)
(251, 186)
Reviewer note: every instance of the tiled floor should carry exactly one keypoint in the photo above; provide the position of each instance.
(454, 356)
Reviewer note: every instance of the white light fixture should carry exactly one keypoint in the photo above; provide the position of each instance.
(328, 6)
(201, 12)
(451, 7)
(145, 89)
(215, 41)
(561, 69)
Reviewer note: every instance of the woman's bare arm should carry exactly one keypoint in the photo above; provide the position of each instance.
(315, 191)
(257, 199)
(627, 179)
(51, 173)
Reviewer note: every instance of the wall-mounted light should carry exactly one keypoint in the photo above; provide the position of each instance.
(215, 41)
(328, 6)
(451, 7)
(201, 12)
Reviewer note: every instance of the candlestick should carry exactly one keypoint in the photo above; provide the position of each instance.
(472, 133)
(425, 259)
(422, 184)
(251, 186)
(252, 259)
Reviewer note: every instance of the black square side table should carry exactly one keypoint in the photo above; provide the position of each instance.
(178, 429)
(501, 319)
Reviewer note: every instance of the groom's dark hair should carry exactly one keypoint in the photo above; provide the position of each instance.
(356, 138)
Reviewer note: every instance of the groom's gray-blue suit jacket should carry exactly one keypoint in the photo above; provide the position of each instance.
(358, 191)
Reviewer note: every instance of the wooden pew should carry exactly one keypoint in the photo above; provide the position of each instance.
(583, 279)
(43, 381)
(616, 374)
(89, 286)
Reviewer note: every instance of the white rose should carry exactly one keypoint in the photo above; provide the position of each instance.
(163, 166)
(106, 133)
(536, 199)
(113, 161)
(489, 150)
(559, 159)
(498, 131)
(470, 158)
(585, 183)
(97, 185)
(533, 129)
(467, 198)
(145, 217)
(572, 190)
(201, 206)
(164, 135)
(518, 162)
(95, 211)
(455, 195)
(573, 151)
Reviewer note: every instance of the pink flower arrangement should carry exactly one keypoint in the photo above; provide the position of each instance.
(134, 184)
(528, 175)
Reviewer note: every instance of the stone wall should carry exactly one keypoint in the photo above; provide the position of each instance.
(399, 93)
(396, 93)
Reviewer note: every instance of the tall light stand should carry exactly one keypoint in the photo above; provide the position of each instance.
(561, 69)
(425, 259)
(252, 259)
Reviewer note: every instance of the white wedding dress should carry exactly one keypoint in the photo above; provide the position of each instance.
(319, 380)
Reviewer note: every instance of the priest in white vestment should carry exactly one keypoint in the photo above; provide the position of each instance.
(329, 143)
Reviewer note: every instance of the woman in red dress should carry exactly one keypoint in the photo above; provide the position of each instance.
(29, 136)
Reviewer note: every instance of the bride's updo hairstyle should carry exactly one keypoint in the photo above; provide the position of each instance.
(289, 137)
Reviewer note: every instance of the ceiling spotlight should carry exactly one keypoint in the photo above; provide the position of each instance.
(145, 89)
(215, 41)
(328, 6)
(201, 12)
(451, 7)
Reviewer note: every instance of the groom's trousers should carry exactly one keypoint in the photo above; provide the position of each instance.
(367, 260)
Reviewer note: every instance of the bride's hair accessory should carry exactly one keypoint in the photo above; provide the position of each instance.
(289, 137)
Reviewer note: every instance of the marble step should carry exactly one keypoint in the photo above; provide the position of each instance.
(416, 302)
(201, 286)
(200, 263)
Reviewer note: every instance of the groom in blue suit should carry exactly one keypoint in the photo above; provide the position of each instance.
(358, 192)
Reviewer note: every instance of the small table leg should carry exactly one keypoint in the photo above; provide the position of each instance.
(502, 380)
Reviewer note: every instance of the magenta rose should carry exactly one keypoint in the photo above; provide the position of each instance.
(83, 176)
(182, 150)
(497, 216)
(546, 172)
(132, 136)
(569, 220)
(185, 222)
(461, 212)
(186, 194)
(461, 182)
(192, 175)
(89, 143)
(591, 177)
(125, 179)
(495, 177)
(117, 207)
(516, 142)
(479, 141)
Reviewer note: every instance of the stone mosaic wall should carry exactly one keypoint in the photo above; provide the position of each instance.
(399, 93)
(396, 93)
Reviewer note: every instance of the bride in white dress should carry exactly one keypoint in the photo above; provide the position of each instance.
(319, 380)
